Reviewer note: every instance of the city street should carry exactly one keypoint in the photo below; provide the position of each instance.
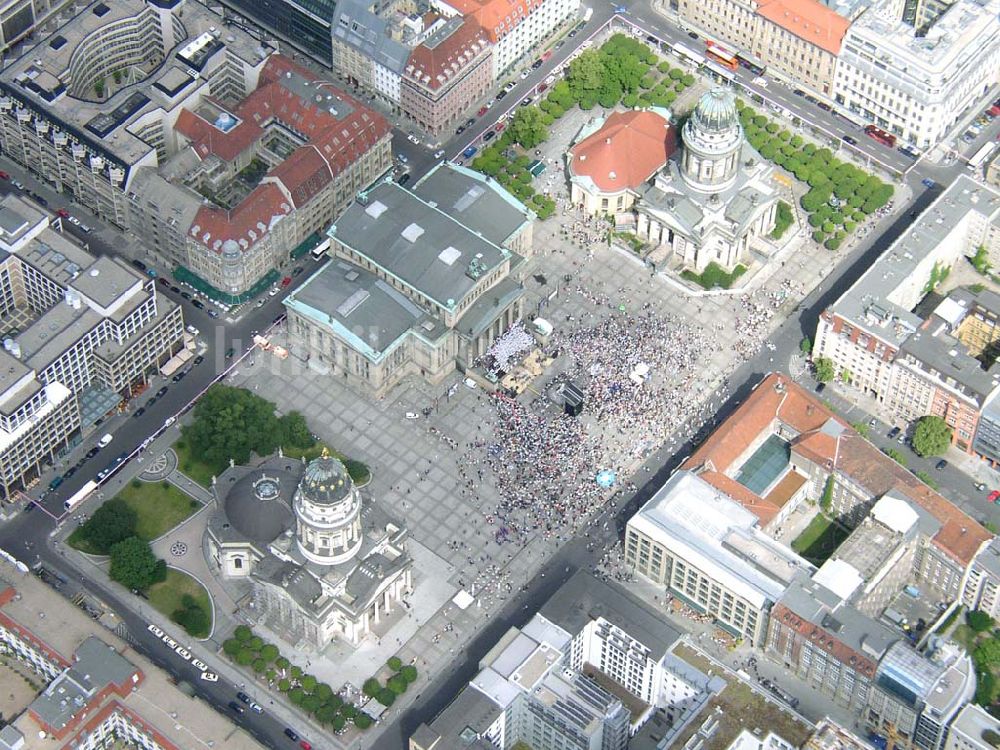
(579, 553)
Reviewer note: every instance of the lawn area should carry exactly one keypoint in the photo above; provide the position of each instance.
(819, 540)
(159, 506)
(195, 468)
(167, 596)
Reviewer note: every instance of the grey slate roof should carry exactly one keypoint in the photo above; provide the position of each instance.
(417, 243)
(461, 723)
(476, 200)
(355, 25)
(584, 598)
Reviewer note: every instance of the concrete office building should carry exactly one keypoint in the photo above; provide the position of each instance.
(303, 24)
(88, 105)
(415, 287)
(515, 28)
(981, 588)
(527, 692)
(919, 84)
(916, 695)
(702, 546)
(79, 333)
(913, 365)
(98, 690)
(969, 728)
(20, 18)
(252, 181)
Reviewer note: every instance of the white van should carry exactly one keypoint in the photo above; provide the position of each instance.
(103, 442)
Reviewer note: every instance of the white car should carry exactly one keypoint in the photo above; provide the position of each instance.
(470, 384)
(439, 154)
(760, 81)
(103, 442)
(86, 229)
(74, 221)
(192, 330)
(411, 415)
(525, 74)
(273, 292)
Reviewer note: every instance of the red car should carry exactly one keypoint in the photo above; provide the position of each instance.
(500, 126)
(482, 111)
(4, 176)
(994, 496)
(62, 213)
(286, 281)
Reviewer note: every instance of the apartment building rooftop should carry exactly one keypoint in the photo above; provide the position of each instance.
(882, 300)
(359, 26)
(584, 598)
(825, 439)
(48, 77)
(92, 654)
(948, 38)
(450, 45)
(497, 17)
(809, 20)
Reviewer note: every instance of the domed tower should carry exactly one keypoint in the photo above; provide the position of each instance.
(712, 140)
(232, 265)
(327, 509)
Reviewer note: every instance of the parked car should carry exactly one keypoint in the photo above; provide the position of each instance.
(105, 439)
(236, 707)
(893, 433)
(55, 483)
(213, 313)
(198, 304)
(199, 359)
(139, 412)
(93, 452)
(482, 111)
(993, 497)
(139, 264)
(928, 183)
(162, 392)
(941, 465)
(4, 175)
(849, 139)
(404, 179)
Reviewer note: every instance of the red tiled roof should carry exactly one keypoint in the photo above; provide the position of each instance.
(434, 67)
(779, 399)
(823, 639)
(764, 509)
(335, 142)
(809, 20)
(625, 151)
(497, 17)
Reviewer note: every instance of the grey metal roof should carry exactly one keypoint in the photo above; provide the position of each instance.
(881, 301)
(462, 722)
(357, 26)
(106, 279)
(584, 598)
(821, 607)
(361, 308)
(476, 200)
(417, 243)
(484, 311)
(253, 511)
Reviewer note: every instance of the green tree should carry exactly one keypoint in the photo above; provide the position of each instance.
(324, 692)
(896, 456)
(245, 657)
(194, 619)
(527, 127)
(824, 369)
(338, 723)
(932, 436)
(110, 524)
(396, 684)
(133, 564)
(987, 654)
(826, 502)
(986, 688)
(585, 76)
(409, 673)
(259, 666)
(394, 663)
(269, 652)
(309, 683)
(386, 697)
(363, 720)
(862, 429)
(371, 687)
(284, 685)
(325, 714)
(295, 695)
(978, 620)
(231, 647)
(256, 643)
(242, 633)
(981, 260)
(281, 663)
(806, 346)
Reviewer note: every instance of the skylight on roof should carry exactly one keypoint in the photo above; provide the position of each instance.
(412, 233)
(376, 209)
(449, 255)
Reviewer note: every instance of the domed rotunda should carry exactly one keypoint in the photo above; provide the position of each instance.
(318, 559)
(712, 139)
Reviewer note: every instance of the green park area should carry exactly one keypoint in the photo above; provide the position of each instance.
(715, 276)
(819, 539)
(150, 510)
(236, 424)
(122, 529)
(623, 70)
(185, 601)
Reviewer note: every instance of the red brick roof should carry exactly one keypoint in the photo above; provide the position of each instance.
(625, 151)
(822, 638)
(809, 20)
(497, 17)
(334, 143)
(779, 400)
(434, 67)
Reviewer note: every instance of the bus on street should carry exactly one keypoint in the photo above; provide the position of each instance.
(754, 64)
(688, 55)
(886, 139)
(80, 495)
(722, 55)
(718, 72)
(981, 156)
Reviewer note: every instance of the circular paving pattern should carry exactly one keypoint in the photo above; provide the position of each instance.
(178, 549)
(158, 467)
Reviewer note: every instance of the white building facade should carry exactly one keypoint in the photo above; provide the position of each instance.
(919, 87)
